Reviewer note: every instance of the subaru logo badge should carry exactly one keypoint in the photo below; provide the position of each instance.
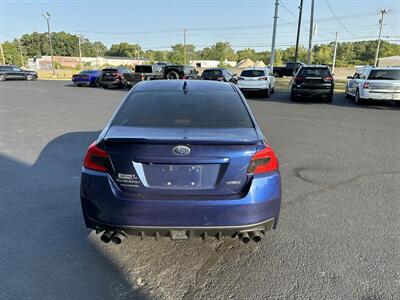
(181, 150)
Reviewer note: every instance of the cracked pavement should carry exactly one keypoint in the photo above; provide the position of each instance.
(338, 236)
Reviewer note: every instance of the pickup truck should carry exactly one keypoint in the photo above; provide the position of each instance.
(287, 70)
(180, 72)
(148, 72)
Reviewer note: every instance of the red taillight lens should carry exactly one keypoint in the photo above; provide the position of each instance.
(299, 78)
(96, 159)
(328, 78)
(263, 78)
(366, 85)
(263, 161)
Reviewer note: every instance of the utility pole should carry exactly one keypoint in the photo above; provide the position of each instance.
(184, 46)
(298, 37)
(334, 54)
(2, 53)
(272, 58)
(311, 33)
(20, 52)
(46, 15)
(80, 51)
(382, 12)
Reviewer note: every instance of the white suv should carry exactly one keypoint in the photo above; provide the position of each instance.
(371, 83)
(257, 80)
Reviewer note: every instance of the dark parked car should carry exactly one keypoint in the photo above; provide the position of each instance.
(313, 81)
(121, 77)
(148, 72)
(13, 72)
(287, 70)
(181, 159)
(219, 74)
(180, 72)
(87, 78)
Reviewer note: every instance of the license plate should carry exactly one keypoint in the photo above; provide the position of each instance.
(179, 235)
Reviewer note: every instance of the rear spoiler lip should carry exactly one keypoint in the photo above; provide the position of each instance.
(179, 141)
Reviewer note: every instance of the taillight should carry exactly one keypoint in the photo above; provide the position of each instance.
(220, 78)
(142, 77)
(263, 78)
(96, 159)
(299, 78)
(328, 78)
(263, 161)
(366, 85)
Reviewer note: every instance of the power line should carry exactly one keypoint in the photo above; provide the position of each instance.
(338, 20)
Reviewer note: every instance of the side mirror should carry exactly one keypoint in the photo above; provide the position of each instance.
(349, 77)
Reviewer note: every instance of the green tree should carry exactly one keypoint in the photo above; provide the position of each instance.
(220, 51)
(124, 50)
(11, 53)
(177, 55)
(247, 53)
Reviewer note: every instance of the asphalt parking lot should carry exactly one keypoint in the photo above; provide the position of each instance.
(339, 232)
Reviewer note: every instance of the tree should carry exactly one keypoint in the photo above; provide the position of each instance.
(220, 51)
(177, 55)
(11, 53)
(124, 50)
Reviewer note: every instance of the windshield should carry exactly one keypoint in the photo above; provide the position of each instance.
(177, 109)
(384, 74)
(143, 69)
(314, 72)
(252, 73)
(212, 73)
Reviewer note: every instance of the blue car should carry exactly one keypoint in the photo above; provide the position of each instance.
(87, 78)
(181, 159)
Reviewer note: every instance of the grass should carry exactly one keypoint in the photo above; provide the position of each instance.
(60, 74)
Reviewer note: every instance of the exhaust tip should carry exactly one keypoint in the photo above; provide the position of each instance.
(244, 237)
(106, 236)
(256, 236)
(118, 237)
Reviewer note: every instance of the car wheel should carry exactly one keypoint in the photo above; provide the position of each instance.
(346, 93)
(268, 93)
(329, 98)
(2, 77)
(105, 86)
(172, 75)
(273, 90)
(293, 97)
(29, 77)
(357, 99)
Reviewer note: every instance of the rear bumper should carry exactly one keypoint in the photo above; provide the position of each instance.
(254, 88)
(81, 82)
(105, 207)
(384, 95)
(305, 92)
(115, 82)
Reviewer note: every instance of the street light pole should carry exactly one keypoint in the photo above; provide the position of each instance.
(298, 37)
(334, 55)
(382, 12)
(272, 58)
(311, 33)
(46, 15)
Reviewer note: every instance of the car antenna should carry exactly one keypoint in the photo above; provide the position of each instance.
(185, 87)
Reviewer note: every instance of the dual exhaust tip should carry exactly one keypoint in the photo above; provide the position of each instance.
(117, 237)
(245, 237)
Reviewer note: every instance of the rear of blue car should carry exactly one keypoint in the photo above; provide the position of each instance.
(181, 159)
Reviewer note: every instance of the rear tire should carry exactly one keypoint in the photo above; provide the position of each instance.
(357, 99)
(105, 86)
(29, 77)
(2, 77)
(329, 98)
(172, 75)
(293, 97)
(268, 93)
(346, 93)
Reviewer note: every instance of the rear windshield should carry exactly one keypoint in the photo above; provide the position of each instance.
(180, 110)
(252, 73)
(110, 70)
(143, 69)
(385, 74)
(314, 72)
(212, 73)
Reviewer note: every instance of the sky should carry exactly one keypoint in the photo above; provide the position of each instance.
(156, 24)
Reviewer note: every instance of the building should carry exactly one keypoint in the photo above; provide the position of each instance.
(390, 61)
(208, 63)
(44, 62)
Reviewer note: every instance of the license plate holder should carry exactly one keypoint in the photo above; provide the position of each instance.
(179, 235)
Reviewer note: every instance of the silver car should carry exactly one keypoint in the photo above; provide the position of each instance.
(371, 83)
(257, 80)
